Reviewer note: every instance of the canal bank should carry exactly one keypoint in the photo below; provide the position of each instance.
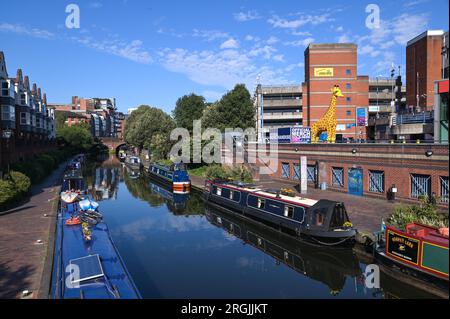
(27, 239)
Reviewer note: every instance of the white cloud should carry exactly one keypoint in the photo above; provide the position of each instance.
(230, 44)
(266, 51)
(301, 33)
(246, 16)
(95, 5)
(343, 39)
(414, 3)
(209, 35)
(272, 40)
(340, 29)
(21, 29)
(302, 20)
(132, 50)
(300, 43)
(222, 68)
(278, 58)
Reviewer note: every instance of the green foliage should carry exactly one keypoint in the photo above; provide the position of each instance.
(146, 123)
(13, 188)
(21, 181)
(425, 213)
(199, 171)
(160, 146)
(240, 173)
(188, 108)
(77, 136)
(234, 110)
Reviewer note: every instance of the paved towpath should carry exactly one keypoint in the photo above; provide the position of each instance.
(26, 241)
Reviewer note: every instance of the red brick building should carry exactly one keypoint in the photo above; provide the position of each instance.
(325, 66)
(423, 67)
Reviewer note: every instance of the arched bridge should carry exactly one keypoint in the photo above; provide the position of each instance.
(113, 143)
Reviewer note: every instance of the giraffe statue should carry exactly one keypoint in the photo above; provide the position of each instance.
(328, 122)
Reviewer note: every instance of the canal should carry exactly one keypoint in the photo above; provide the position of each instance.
(176, 247)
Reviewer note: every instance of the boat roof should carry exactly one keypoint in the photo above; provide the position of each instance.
(270, 193)
(73, 174)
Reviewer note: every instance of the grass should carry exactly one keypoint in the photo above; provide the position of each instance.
(199, 171)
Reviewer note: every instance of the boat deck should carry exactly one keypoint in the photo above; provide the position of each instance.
(265, 192)
(70, 245)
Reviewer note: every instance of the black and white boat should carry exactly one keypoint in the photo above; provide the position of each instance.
(324, 221)
(133, 162)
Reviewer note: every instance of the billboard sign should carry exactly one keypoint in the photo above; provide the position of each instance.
(280, 135)
(301, 135)
(323, 72)
(361, 116)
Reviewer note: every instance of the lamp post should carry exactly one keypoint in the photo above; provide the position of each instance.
(7, 134)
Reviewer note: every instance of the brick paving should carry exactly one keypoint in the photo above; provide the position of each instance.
(364, 212)
(23, 261)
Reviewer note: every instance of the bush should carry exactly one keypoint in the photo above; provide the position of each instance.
(425, 213)
(7, 193)
(20, 181)
(239, 173)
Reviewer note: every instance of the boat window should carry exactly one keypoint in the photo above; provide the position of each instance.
(339, 216)
(261, 203)
(231, 194)
(289, 211)
(318, 217)
(219, 191)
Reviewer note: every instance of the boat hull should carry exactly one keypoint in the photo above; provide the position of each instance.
(289, 226)
(177, 187)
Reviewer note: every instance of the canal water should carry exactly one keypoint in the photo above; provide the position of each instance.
(176, 247)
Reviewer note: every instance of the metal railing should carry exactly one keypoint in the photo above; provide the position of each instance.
(424, 117)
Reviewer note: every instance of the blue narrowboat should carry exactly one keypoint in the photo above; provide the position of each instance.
(86, 262)
(324, 221)
(175, 175)
(175, 202)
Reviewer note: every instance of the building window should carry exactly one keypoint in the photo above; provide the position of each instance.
(348, 112)
(444, 189)
(23, 118)
(348, 72)
(8, 113)
(285, 170)
(296, 172)
(420, 185)
(337, 176)
(289, 211)
(348, 99)
(348, 86)
(311, 171)
(376, 181)
(5, 88)
(261, 203)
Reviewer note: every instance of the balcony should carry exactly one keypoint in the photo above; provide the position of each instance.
(381, 95)
(283, 103)
(284, 115)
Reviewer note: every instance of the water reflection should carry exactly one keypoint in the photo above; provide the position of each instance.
(329, 266)
(175, 247)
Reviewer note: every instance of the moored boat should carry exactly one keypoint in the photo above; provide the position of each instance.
(174, 175)
(69, 197)
(419, 250)
(324, 221)
(133, 162)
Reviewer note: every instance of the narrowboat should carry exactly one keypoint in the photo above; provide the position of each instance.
(175, 175)
(324, 221)
(86, 262)
(175, 202)
(133, 162)
(326, 265)
(420, 251)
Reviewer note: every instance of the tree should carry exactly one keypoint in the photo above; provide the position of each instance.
(234, 110)
(188, 108)
(77, 136)
(146, 122)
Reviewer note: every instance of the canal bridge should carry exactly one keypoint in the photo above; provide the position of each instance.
(113, 143)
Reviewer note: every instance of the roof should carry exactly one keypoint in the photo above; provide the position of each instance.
(428, 33)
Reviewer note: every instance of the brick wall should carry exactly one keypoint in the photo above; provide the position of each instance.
(397, 161)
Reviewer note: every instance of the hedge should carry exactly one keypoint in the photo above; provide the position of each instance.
(13, 188)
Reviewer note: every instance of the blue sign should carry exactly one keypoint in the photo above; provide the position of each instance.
(361, 116)
(301, 135)
(281, 135)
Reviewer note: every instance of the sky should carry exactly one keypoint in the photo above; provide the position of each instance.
(153, 52)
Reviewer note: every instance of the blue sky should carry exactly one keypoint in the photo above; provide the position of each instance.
(152, 52)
